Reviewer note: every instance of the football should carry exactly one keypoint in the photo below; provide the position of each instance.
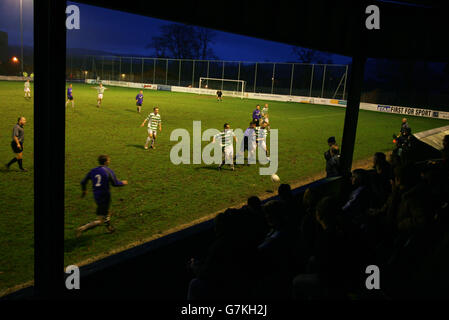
(275, 178)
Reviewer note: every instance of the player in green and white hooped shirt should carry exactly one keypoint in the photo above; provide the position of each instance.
(261, 137)
(265, 115)
(154, 122)
(27, 89)
(225, 138)
(100, 90)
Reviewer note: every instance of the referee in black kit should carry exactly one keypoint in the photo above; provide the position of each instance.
(17, 143)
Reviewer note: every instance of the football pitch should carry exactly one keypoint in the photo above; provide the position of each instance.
(160, 195)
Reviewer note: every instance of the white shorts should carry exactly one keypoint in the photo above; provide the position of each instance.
(229, 154)
(100, 96)
(262, 144)
(27, 90)
(152, 132)
(251, 145)
(252, 148)
(266, 120)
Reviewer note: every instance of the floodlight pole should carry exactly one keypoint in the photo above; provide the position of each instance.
(120, 69)
(49, 147)
(344, 85)
(255, 78)
(311, 80)
(222, 75)
(21, 36)
(154, 70)
(207, 76)
(324, 77)
(238, 76)
(193, 74)
(93, 65)
(352, 112)
(166, 71)
(179, 75)
(291, 79)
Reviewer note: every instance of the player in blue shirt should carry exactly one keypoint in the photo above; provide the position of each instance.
(70, 96)
(257, 115)
(139, 101)
(101, 177)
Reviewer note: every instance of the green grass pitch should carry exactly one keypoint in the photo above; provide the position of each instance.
(160, 195)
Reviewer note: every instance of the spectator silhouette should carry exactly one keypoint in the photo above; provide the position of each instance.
(291, 206)
(358, 203)
(255, 224)
(326, 270)
(333, 163)
(225, 271)
(277, 253)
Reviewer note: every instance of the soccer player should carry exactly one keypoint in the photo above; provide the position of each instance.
(227, 147)
(331, 142)
(265, 115)
(333, 163)
(70, 96)
(101, 177)
(100, 90)
(17, 143)
(265, 110)
(405, 128)
(139, 100)
(27, 89)
(248, 142)
(154, 121)
(256, 115)
(261, 136)
(219, 94)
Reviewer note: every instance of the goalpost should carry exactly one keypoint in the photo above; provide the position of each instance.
(228, 86)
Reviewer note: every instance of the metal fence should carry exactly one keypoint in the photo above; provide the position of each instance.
(301, 79)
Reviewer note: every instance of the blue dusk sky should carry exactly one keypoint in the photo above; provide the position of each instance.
(124, 33)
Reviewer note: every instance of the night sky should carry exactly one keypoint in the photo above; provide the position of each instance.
(118, 32)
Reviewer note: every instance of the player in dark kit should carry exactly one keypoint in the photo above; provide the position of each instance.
(219, 94)
(331, 143)
(249, 141)
(139, 101)
(70, 96)
(249, 132)
(405, 128)
(257, 115)
(17, 143)
(101, 177)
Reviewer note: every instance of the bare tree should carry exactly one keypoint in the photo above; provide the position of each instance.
(205, 38)
(183, 42)
(306, 55)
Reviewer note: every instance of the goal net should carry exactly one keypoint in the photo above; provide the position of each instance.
(227, 86)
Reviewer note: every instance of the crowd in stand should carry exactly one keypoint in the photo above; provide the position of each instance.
(318, 246)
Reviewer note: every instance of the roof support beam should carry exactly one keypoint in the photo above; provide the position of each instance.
(49, 146)
(352, 112)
